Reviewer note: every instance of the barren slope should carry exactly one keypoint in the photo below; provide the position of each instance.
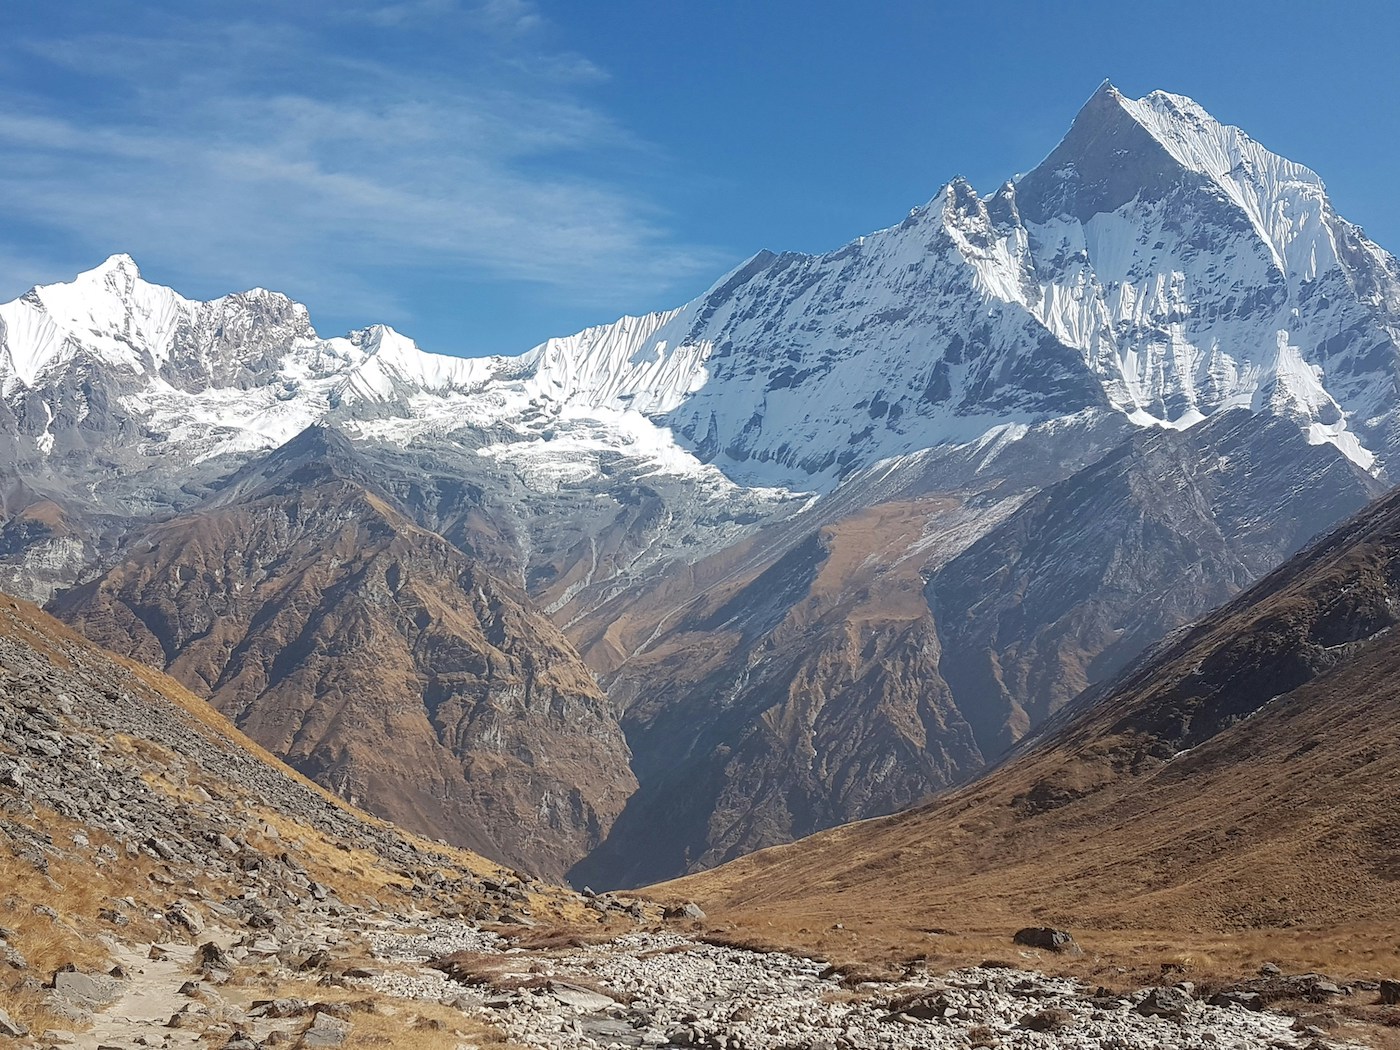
(899, 649)
(372, 655)
(1243, 777)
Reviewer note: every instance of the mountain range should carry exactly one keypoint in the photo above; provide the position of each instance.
(829, 538)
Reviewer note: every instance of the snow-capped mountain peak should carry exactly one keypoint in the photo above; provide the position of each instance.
(1158, 264)
(109, 310)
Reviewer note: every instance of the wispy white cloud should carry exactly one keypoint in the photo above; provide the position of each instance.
(283, 152)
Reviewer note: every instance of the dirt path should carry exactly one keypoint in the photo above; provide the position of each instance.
(150, 997)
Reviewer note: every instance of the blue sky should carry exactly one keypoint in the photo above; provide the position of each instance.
(483, 174)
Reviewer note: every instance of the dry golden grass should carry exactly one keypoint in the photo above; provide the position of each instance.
(76, 890)
(382, 1022)
(424, 1026)
(557, 938)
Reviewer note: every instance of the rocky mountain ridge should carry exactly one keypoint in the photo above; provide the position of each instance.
(357, 646)
(1237, 778)
(762, 518)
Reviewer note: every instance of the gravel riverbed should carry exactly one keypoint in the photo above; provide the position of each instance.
(664, 989)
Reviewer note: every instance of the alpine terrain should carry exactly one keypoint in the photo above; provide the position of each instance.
(827, 539)
(165, 882)
(1237, 783)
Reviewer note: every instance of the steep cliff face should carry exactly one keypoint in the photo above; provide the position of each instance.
(1092, 570)
(373, 656)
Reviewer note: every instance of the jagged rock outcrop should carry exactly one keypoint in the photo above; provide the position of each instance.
(372, 655)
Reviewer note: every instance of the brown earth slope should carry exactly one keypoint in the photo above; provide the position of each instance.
(137, 823)
(900, 649)
(1241, 779)
(372, 655)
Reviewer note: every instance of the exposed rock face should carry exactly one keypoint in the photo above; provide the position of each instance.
(374, 656)
(1092, 570)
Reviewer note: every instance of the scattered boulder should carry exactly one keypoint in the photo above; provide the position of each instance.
(922, 1006)
(1174, 1003)
(190, 1016)
(1390, 993)
(211, 958)
(1238, 997)
(683, 912)
(86, 989)
(1059, 941)
(12, 1029)
(182, 914)
(584, 1000)
(160, 849)
(1053, 1019)
(280, 1008)
(325, 1030)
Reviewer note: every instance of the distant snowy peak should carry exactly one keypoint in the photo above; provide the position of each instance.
(389, 367)
(1157, 263)
(1197, 271)
(237, 341)
(649, 364)
(1119, 149)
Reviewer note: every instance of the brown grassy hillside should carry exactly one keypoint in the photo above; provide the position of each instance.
(1232, 797)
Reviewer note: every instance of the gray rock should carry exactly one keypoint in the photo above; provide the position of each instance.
(689, 910)
(86, 989)
(326, 1030)
(211, 956)
(1238, 997)
(1165, 1002)
(280, 1008)
(584, 1000)
(183, 914)
(1061, 941)
(11, 1028)
(1390, 993)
